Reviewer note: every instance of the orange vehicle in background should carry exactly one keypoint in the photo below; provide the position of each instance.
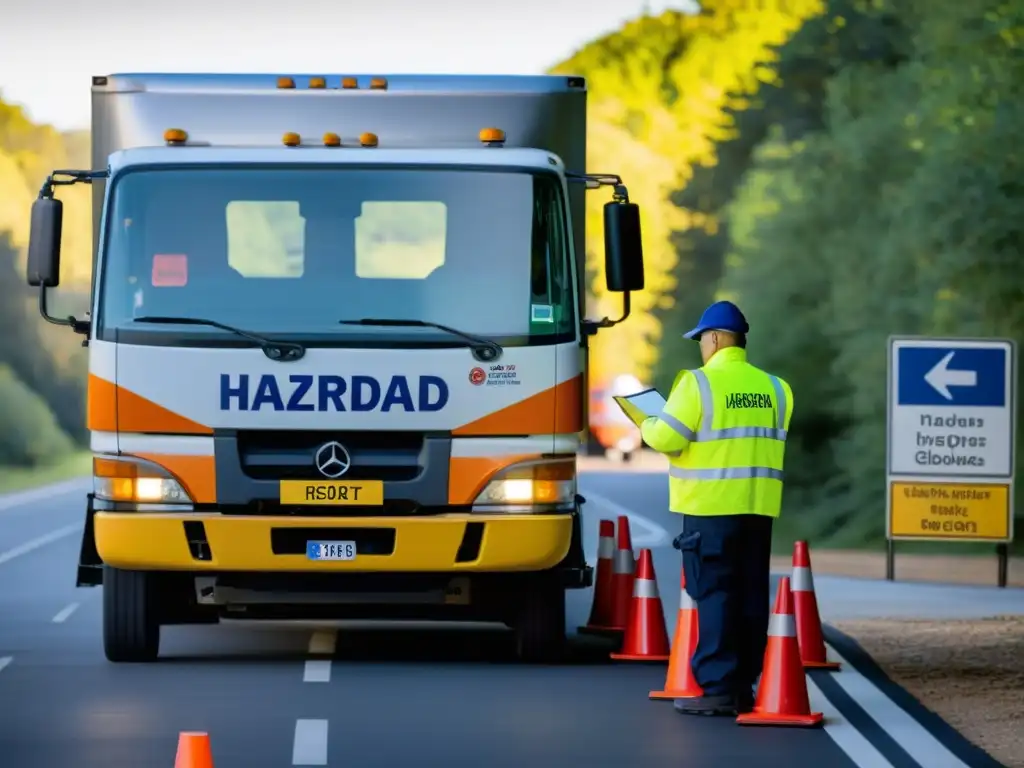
(616, 435)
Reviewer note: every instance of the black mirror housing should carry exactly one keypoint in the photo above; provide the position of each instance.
(44, 243)
(623, 251)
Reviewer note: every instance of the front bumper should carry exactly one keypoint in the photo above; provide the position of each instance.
(211, 543)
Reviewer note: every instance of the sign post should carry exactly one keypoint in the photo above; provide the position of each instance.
(952, 416)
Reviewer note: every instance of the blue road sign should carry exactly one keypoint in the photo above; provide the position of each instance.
(952, 376)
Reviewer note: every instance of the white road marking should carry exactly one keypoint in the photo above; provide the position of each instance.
(653, 536)
(321, 643)
(317, 671)
(894, 720)
(5, 661)
(310, 745)
(42, 541)
(21, 498)
(65, 612)
(861, 752)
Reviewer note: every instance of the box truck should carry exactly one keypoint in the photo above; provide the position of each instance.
(337, 348)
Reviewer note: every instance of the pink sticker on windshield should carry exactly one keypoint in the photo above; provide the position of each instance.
(170, 270)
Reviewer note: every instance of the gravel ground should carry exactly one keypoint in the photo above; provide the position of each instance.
(970, 673)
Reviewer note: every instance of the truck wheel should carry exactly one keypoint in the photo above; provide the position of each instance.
(131, 627)
(540, 626)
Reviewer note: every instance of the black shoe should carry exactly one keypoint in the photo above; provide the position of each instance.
(723, 704)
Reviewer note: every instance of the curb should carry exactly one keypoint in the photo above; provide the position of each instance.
(944, 733)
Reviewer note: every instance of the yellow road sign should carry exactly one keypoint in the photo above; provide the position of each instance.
(966, 511)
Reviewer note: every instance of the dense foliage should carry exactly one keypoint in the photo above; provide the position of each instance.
(42, 368)
(844, 172)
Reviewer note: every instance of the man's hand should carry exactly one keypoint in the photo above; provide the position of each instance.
(674, 429)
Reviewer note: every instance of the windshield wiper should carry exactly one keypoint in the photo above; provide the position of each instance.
(484, 350)
(281, 351)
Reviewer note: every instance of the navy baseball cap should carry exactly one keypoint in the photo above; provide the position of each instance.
(720, 316)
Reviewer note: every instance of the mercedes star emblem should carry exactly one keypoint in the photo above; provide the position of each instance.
(332, 459)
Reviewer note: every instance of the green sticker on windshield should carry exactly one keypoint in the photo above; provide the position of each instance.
(542, 313)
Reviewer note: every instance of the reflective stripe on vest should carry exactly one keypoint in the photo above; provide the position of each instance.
(707, 406)
(702, 435)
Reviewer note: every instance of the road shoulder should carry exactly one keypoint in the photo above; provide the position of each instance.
(15, 480)
(946, 735)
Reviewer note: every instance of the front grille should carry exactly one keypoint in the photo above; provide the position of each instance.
(396, 508)
(274, 508)
(287, 455)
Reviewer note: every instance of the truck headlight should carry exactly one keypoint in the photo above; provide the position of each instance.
(525, 486)
(135, 481)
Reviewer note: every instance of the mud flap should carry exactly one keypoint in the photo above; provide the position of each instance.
(576, 573)
(90, 567)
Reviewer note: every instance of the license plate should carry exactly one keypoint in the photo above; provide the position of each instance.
(333, 493)
(331, 550)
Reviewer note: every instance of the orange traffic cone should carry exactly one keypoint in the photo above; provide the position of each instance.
(782, 692)
(623, 570)
(601, 610)
(646, 638)
(680, 682)
(193, 750)
(805, 605)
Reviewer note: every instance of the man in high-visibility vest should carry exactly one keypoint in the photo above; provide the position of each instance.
(723, 430)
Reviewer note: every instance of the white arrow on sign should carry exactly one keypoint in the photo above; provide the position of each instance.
(941, 378)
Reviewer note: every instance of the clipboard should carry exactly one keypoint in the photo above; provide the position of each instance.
(641, 405)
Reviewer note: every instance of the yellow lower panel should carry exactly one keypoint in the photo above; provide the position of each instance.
(143, 541)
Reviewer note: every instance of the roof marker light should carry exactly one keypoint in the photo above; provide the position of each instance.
(349, 82)
(175, 136)
(378, 84)
(368, 139)
(492, 136)
(317, 82)
(291, 139)
(332, 140)
(285, 82)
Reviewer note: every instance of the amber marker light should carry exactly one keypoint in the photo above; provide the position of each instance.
(175, 136)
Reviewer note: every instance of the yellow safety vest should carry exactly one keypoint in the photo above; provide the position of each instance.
(724, 432)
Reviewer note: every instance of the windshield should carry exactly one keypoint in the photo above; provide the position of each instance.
(289, 252)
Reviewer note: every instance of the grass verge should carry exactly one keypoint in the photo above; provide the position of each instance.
(20, 478)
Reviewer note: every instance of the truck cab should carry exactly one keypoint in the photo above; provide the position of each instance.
(337, 352)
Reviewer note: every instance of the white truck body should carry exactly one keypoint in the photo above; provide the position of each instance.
(272, 437)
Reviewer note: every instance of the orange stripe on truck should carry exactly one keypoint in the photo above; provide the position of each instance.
(198, 474)
(112, 408)
(467, 476)
(555, 411)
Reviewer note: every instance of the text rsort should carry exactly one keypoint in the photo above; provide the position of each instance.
(306, 392)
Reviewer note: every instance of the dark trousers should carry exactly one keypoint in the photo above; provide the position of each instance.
(726, 563)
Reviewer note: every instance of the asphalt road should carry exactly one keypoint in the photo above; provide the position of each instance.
(400, 697)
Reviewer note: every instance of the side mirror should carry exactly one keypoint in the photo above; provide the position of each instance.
(44, 243)
(623, 252)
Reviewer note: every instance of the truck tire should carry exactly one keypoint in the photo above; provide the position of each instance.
(131, 626)
(540, 625)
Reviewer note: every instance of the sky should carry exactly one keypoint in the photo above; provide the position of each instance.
(49, 51)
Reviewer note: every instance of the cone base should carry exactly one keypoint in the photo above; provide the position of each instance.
(821, 665)
(599, 630)
(810, 720)
(637, 657)
(672, 695)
